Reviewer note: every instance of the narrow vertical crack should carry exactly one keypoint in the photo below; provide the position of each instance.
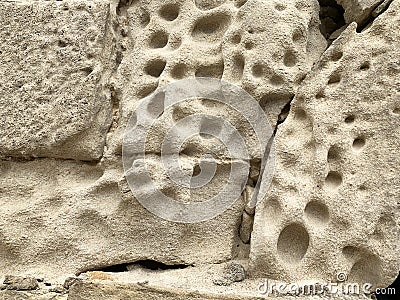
(331, 15)
(376, 12)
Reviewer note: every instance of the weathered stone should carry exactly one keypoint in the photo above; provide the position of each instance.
(358, 10)
(333, 203)
(52, 64)
(20, 283)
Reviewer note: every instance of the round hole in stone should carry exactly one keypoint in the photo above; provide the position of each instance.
(359, 143)
(179, 71)
(211, 28)
(236, 38)
(293, 243)
(155, 68)
(365, 66)
(196, 170)
(280, 7)
(333, 153)
(257, 70)
(317, 212)
(320, 95)
(337, 55)
(350, 119)
(248, 45)
(396, 111)
(158, 40)
(290, 59)
(169, 12)
(334, 78)
(300, 114)
(272, 211)
(333, 180)
(240, 3)
(297, 36)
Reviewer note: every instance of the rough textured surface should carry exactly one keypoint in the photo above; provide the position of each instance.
(72, 73)
(358, 10)
(52, 60)
(338, 176)
(80, 217)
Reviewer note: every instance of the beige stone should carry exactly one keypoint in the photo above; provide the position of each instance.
(333, 203)
(73, 73)
(52, 61)
(358, 10)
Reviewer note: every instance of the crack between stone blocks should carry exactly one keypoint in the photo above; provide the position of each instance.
(378, 10)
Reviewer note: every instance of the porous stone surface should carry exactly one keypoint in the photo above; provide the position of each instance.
(333, 203)
(81, 217)
(72, 76)
(358, 10)
(52, 60)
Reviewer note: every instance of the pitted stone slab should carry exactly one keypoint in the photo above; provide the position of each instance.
(333, 204)
(51, 68)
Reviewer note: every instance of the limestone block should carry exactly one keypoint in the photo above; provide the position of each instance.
(270, 48)
(265, 48)
(334, 200)
(81, 217)
(51, 75)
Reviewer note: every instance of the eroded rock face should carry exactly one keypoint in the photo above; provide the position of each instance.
(52, 66)
(359, 10)
(333, 203)
(72, 75)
